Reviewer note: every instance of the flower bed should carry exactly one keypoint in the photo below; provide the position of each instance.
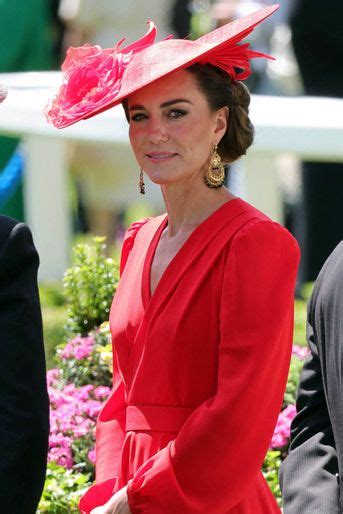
(74, 403)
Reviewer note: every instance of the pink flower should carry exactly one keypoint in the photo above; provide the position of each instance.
(52, 375)
(92, 456)
(81, 352)
(73, 414)
(61, 456)
(92, 79)
(282, 430)
(78, 348)
(60, 440)
(300, 351)
(101, 392)
(85, 428)
(67, 351)
(92, 408)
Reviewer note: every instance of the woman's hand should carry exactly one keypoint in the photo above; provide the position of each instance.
(116, 505)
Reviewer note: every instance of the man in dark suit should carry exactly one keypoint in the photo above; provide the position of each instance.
(312, 475)
(24, 408)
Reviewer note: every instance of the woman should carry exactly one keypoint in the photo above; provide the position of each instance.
(202, 319)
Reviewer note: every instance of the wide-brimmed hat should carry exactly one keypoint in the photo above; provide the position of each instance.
(96, 79)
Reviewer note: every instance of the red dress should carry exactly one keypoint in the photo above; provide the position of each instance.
(201, 367)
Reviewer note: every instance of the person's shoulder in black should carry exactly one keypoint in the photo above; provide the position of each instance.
(310, 474)
(24, 406)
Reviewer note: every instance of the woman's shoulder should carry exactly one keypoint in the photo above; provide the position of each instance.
(132, 230)
(261, 232)
(139, 228)
(149, 222)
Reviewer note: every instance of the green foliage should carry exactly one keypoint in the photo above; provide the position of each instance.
(300, 313)
(80, 447)
(54, 315)
(51, 294)
(54, 320)
(270, 471)
(293, 381)
(306, 291)
(201, 20)
(89, 286)
(62, 490)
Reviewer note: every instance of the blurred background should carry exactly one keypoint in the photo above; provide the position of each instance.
(98, 193)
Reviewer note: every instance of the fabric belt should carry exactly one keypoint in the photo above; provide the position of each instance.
(159, 418)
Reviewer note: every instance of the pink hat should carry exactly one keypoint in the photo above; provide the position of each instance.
(97, 79)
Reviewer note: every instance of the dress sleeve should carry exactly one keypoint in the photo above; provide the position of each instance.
(216, 456)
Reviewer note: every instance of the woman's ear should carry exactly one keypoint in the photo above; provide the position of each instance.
(222, 120)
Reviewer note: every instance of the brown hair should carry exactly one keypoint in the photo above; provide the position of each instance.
(221, 91)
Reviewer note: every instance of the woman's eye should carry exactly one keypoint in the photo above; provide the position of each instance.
(138, 117)
(176, 113)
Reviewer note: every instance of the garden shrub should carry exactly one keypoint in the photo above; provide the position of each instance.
(74, 408)
(62, 490)
(86, 360)
(89, 286)
(270, 470)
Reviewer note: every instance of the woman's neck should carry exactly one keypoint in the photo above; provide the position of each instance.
(188, 207)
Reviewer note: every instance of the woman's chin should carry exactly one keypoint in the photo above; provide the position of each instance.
(162, 180)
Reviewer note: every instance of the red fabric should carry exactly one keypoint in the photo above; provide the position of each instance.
(129, 240)
(202, 365)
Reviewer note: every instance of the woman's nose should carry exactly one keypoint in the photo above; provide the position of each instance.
(157, 132)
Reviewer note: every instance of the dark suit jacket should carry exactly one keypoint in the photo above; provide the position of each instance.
(311, 476)
(24, 414)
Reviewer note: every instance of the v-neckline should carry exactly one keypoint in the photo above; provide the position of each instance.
(146, 278)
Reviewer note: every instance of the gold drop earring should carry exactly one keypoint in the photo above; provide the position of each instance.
(215, 175)
(141, 183)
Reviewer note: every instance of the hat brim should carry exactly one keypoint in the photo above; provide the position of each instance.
(168, 56)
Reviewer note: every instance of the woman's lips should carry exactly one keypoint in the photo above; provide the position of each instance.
(160, 156)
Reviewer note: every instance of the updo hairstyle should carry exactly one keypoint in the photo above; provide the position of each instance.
(220, 91)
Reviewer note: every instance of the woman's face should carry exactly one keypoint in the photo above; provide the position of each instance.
(172, 129)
